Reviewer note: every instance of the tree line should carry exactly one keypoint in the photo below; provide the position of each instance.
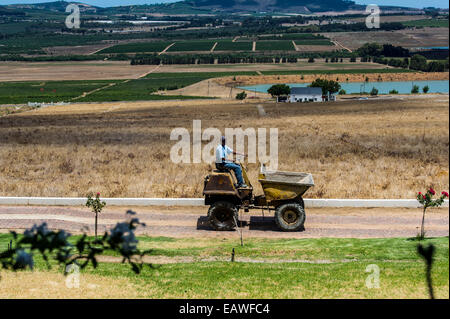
(397, 56)
(154, 59)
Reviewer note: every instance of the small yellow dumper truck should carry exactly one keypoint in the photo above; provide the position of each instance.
(283, 193)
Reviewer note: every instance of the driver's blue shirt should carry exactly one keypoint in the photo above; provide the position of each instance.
(222, 152)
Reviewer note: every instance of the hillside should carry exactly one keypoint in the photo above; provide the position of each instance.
(200, 7)
(204, 6)
(299, 6)
(57, 6)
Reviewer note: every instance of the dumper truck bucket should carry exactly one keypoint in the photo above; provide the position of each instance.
(279, 186)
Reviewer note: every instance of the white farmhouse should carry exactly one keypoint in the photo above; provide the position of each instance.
(305, 94)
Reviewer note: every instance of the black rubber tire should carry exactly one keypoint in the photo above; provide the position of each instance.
(290, 217)
(301, 202)
(221, 216)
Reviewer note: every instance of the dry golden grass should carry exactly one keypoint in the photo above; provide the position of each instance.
(6, 110)
(408, 38)
(65, 71)
(355, 149)
(170, 282)
(52, 285)
(243, 80)
(114, 70)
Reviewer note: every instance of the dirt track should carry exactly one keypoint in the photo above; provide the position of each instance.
(191, 222)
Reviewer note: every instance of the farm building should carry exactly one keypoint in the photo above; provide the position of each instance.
(307, 94)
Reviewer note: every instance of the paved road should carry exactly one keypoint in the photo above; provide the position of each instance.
(191, 222)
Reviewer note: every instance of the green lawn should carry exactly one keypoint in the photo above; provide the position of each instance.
(322, 249)
(293, 268)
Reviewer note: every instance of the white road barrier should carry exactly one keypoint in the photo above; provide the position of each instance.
(330, 203)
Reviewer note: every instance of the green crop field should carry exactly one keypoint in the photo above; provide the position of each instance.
(14, 27)
(272, 268)
(28, 42)
(274, 46)
(135, 90)
(51, 91)
(143, 89)
(186, 46)
(234, 46)
(293, 36)
(314, 42)
(35, 42)
(435, 23)
(65, 91)
(140, 47)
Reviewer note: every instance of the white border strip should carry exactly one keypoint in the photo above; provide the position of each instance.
(336, 203)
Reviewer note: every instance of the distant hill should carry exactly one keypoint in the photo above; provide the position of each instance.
(298, 6)
(59, 6)
(203, 7)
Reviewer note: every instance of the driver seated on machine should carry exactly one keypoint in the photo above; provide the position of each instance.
(222, 152)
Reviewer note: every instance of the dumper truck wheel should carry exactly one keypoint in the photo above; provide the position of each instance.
(221, 216)
(290, 217)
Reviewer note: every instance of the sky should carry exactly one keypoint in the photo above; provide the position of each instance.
(111, 3)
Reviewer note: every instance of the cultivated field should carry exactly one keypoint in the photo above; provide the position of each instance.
(155, 82)
(434, 23)
(139, 47)
(274, 46)
(355, 149)
(229, 45)
(121, 70)
(104, 90)
(408, 38)
(315, 48)
(338, 75)
(263, 43)
(280, 68)
(65, 71)
(392, 18)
